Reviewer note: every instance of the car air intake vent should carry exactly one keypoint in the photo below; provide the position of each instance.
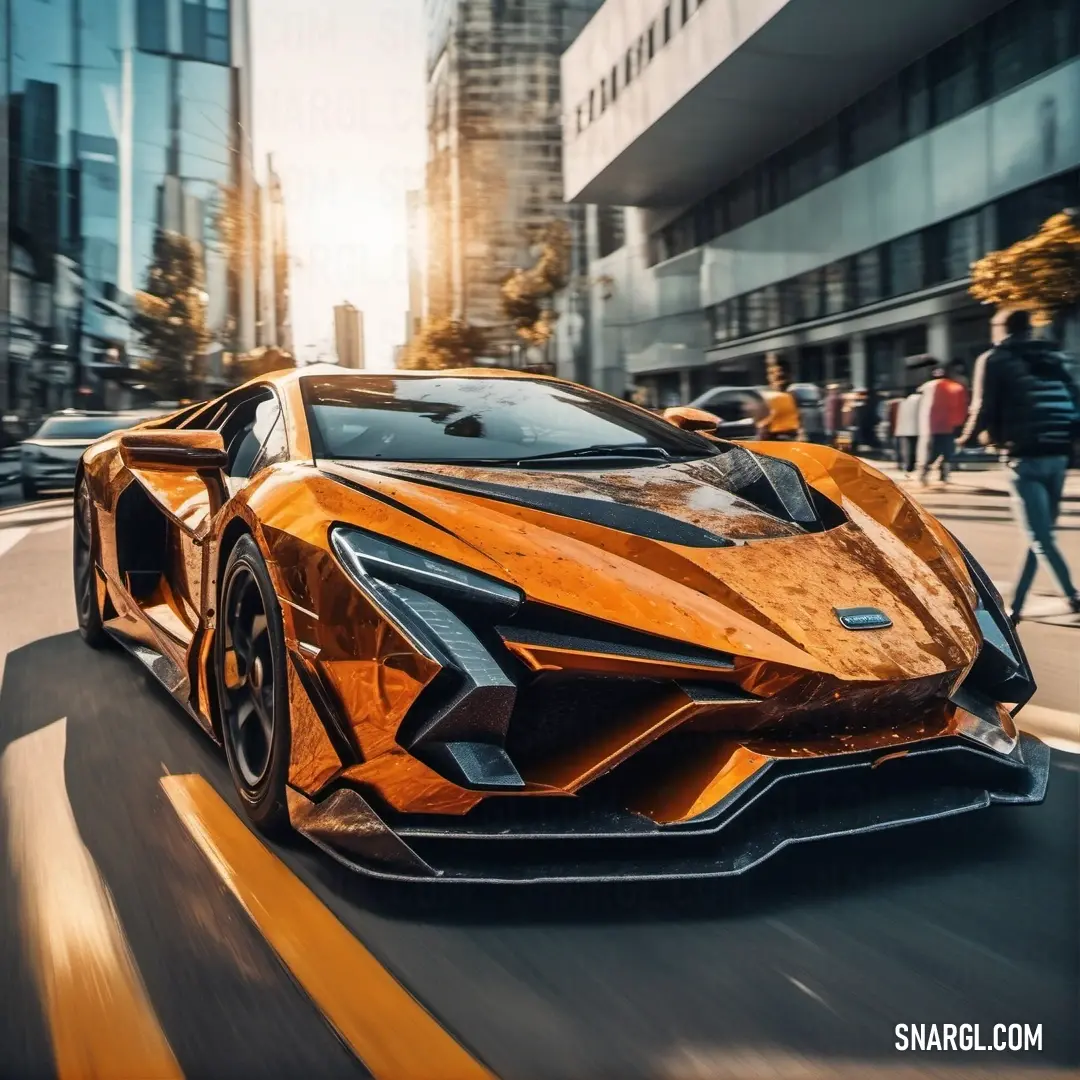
(539, 624)
(777, 487)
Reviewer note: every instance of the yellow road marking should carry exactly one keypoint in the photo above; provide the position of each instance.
(391, 1033)
(100, 1017)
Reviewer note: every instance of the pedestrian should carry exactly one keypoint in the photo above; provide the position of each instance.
(938, 421)
(907, 432)
(834, 405)
(1026, 404)
(781, 422)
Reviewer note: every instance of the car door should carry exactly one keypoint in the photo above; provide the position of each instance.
(172, 511)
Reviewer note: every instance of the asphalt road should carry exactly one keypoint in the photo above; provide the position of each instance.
(803, 968)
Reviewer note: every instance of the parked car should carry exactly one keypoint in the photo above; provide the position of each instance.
(50, 456)
(738, 407)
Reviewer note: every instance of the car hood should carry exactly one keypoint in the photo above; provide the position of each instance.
(667, 550)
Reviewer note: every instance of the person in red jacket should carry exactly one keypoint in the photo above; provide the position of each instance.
(942, 411)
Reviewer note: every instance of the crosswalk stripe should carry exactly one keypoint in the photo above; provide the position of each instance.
(387, 1029)
(99, 1015)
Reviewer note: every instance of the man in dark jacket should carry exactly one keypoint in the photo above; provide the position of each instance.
(1026, 404)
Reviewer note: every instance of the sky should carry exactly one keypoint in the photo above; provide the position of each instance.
(339, 100)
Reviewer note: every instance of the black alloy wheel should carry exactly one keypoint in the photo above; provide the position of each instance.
(250, 674)
(86, 599)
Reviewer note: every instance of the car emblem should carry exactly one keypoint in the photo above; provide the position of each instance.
(862, 618)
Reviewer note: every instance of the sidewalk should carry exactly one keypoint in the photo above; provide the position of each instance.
(993, 481)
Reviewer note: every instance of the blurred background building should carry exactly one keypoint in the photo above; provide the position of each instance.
(349, 336)
(122, 118)
(494, 173)
(414, 218)
(813, 178)
(275, 321)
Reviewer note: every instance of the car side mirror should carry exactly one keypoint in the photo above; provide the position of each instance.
(198, 452)
(691, 419)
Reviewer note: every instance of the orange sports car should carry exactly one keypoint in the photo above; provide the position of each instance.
(490, 626)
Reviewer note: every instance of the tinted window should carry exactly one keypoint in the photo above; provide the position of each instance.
(447, 419)
(84, 427)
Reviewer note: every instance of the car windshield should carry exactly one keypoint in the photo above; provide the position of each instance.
(83, 427)
(442, 418)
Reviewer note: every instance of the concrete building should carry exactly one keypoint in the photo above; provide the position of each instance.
(414, 218)
(809, 177)
(494, 174)
(349, 336)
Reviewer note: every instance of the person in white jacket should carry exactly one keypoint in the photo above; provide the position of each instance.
(906, 432)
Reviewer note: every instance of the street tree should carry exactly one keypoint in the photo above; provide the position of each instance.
(445, 343)
(528, 295)
(1040, 273)
(170, 317)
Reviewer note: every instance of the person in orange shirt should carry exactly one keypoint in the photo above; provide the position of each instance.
(782, 420)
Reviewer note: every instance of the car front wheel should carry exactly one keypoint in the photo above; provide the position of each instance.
(249, 656)
(87, 608)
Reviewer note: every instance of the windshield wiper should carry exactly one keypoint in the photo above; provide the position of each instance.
(602, 451)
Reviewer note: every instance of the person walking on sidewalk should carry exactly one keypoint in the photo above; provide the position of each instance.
(942, 409)
(906, 432)
(1026, 404)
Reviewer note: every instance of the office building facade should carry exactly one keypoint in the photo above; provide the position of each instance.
(810, 178)
(494, 173)
(349, 336)
(124, 117)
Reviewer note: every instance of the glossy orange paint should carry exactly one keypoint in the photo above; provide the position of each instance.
(809, 687)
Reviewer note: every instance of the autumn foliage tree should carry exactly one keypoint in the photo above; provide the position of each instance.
(445, 343)
(264, 360)
(528, 295)
(1040, 274)
(170, 317)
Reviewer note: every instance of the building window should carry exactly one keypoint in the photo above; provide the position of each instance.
(1018, 45)
(720, 318)
(906, 265)
(217, 31)
(915, 88)
(667, 24)
(592, 106)
(640, 53)
(742, 196)
(603, 95)
(837, 277)
(580, 119)
(955, 76)
(610, 229)
(651, 37)
(811, 295)
(868, 283)
(152, 26)
(685, 11)
(629, 68)
(614, 83)
(873, 125)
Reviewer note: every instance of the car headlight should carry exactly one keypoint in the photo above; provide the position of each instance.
(373, 559)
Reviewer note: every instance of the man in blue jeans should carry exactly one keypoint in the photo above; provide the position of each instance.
(1026, 404)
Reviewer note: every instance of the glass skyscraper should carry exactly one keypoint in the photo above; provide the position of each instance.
(124, 117)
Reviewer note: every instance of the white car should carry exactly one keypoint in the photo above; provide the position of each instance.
(51, 455)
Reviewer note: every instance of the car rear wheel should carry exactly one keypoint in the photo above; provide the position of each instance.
(86, 598)
(249, 656)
